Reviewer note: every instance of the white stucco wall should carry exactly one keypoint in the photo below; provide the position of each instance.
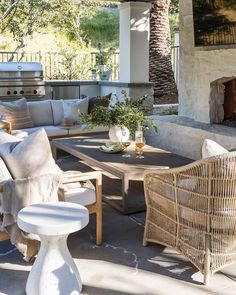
(199, 67)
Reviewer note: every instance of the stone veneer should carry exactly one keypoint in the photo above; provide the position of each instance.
(199, 67)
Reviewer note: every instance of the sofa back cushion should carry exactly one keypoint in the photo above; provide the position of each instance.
(57, 111)
(29, 157)
(17, 113)
(41, 112)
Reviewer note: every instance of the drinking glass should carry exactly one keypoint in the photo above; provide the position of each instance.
(139, 144)
(126, 144)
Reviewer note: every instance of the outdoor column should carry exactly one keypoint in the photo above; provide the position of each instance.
(134, 41)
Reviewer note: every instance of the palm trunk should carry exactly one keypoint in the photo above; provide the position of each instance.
(160, 66)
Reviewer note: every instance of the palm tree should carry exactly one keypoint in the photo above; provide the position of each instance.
(160, 66)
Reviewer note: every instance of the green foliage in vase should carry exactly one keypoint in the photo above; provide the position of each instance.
(127, 113)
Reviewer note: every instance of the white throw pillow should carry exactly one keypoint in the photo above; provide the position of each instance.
(62, 109)
(210, 149)
(72, 109)
(30, 157)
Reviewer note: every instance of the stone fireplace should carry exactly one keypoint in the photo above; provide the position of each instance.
(207, 95)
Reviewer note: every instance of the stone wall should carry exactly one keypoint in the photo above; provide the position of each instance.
(199, 67)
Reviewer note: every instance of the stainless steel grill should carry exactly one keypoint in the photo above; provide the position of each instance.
(21, 79)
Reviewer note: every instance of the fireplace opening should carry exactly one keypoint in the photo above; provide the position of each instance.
(230, 103)
(223, 101)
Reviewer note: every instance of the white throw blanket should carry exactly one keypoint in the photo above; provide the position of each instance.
(21, 193)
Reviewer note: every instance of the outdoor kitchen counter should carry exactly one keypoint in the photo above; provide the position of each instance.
(70, 82)
(62, 89)
(96, 82)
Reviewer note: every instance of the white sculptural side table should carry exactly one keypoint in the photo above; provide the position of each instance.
(54, 271)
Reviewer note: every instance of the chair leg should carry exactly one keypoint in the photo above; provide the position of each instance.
(207, 272)
(99, 227)
(145, 232)
(206, 278)
(145, 238)
(207, 261)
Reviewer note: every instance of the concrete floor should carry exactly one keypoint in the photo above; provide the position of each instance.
(121, 265)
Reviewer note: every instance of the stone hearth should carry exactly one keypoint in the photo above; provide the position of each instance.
(184, 136)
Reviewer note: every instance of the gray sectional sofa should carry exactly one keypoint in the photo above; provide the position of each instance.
(48, 114)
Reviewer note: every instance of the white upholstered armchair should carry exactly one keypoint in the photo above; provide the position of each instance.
(27, 162)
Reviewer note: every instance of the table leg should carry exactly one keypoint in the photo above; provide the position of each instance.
(54, 271)
(125, 192)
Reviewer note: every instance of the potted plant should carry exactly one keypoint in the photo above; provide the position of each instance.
(120, 117)
(104, 62)
(93, 74)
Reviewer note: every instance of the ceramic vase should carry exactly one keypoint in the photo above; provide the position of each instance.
(119, 134)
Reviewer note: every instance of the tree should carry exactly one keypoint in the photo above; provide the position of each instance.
(174, 7)
(102, 27)
(21, 18)
(160, 65)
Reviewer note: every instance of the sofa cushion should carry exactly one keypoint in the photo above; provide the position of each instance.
(17, 113)
(210, 149)
(82, 129)
(51, 131)
(56, 131)
(79, 195)
(99, 101)
(30, 157)
(41, 112)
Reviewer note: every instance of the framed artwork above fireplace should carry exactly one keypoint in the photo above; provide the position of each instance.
(214, 22)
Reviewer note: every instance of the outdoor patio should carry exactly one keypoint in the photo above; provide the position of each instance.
(121, 265)
(194, 208)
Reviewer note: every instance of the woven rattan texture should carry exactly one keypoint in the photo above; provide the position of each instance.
(193, 209)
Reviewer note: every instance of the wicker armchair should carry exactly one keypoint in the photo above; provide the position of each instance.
(193, 209)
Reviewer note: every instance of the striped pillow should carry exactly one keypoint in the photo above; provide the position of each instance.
(17, 113)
